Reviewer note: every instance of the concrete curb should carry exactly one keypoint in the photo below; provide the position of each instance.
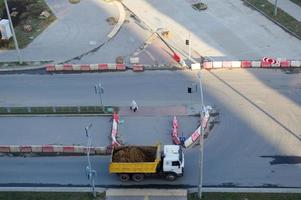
(50, 189)
(248, 190)
(21, 69)
(120, 20)
(274, 21)
(54, 115)
(101, 189)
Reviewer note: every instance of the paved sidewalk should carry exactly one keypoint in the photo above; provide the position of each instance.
(227, 30)
(158, 194)
(73, 33)
(291, 8)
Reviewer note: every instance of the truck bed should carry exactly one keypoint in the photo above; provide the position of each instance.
(134, 154)
(135, 159)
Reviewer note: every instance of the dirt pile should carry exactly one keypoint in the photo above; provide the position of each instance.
(134, 154)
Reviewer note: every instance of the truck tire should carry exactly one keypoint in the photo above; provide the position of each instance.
(171, 176)
(124, 177)
(137, 177)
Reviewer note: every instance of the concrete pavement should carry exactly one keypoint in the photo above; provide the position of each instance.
(226, 30)
(73, 33)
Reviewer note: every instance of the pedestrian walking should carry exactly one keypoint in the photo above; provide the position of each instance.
(134, 106)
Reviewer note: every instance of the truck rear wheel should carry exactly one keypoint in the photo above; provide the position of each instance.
(124, 177)
(171, 176)
(137, 177)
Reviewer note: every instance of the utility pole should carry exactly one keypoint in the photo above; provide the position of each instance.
(202, 112)
(275, 7)
(188, 43)
(13, 31)
(89, 171)
(99, 90)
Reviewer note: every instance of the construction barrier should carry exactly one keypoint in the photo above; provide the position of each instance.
(70, 149)
(114, 130)
(203, 124)
(217, 64)
(195, 66)
(14, 148)
(295, 63)
(251, 64)
(193, 138)
(285, 64)
(100, 150)
(47, 149)
(175, 134)
(25, 149)
(36, 148)
(138, 68)
(246, 64)
(67, 67)
(4, 149)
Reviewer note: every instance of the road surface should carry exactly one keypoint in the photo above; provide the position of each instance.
(253, 145)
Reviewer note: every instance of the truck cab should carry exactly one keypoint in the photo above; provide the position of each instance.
(173, 161)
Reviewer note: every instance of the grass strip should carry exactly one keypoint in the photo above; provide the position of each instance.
(298, 2)
(30, 16)
(59, 110)
(49, 196)
(245, 196)
(288, 22)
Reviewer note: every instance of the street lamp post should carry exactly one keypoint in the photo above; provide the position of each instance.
(275, 7)
(99, 90)
(89, 171)
(13, 31)
(202, 112)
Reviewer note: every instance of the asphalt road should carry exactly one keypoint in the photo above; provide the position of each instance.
(259, 124)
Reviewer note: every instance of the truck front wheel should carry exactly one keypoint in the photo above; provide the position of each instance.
(171, 176)
(124, 177)
(137, 177)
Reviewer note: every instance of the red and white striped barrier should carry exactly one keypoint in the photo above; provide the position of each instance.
(67, 67)
(175, 134)
(51, 149)
(193, 138)
(204, 123)
(114, 130)
(251, 64)
(138, 68)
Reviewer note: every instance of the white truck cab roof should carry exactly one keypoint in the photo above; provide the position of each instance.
(171, 152)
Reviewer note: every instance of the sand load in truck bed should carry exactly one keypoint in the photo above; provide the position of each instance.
(134, 154)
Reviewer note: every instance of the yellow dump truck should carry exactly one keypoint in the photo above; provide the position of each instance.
(136, 162)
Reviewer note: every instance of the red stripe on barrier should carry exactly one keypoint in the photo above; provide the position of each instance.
(120, 66)
(4, 149)
(207, 65)
(138, 68)
(68, 149)
(285, 64)
(85, 67)
(25, 149)
(103, 66)
(47, 149)
(50, 68)
(67, 67)
(176, 140)
(246, 64)
(265, 64)
(227, 64)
